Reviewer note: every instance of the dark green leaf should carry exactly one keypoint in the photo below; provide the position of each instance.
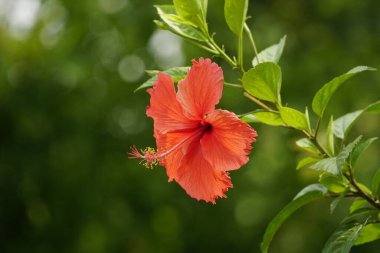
(330, 144)
(294, 118)
(327, 165)
(264, 82)
(323, 96)
(265, 117)
(360, 148)
(177, 73)
(307, 145)
(343, 238)
(307, 195)
(345, 153)
(235, 12)
(193, 11)
(375, 184)
(343, 125)
(369, 233)
(307, 161)
(272, 53)
(177, 25)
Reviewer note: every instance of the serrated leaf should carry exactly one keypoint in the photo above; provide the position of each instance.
(307, 161)
(307, 195)
(177, 73)
(307, 145)
(333, 183)
(330, 144)
(360, 148)
(265, 117)
(177, 25)
(343, 238)
(327, 165)
(344, 154)
(264, 82)
(369, 233)
(294, 118)
(272, 53)
(343, 125)
(375, 184)
(323, 96)
(235, 12)
(193, 11)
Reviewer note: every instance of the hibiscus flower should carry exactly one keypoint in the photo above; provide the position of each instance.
(196, 143)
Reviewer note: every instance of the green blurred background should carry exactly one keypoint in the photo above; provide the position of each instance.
(68, 115)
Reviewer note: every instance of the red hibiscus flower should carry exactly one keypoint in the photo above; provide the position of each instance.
(196, 143)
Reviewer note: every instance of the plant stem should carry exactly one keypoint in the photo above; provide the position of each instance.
(222, 53)
(255, 100)
(233, 85)
(253, 44)
(350, 177)
(240, 53)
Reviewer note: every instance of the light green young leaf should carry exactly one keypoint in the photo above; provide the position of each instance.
(177, 73)
(307, 161)
(294, 118)
(264, 82)
(342, 240)
(307, 145)
(308, 120)
(235, 12)
(193, 11)
(265, 117)
(177, 25)
(327, 165)
(330, 144)
(307, 195)
(360, 148)
(358, 204)
(333, 183)
(343, 125)
(323, 96)
(369, 233)
(375, 184)
(272, 53)
(345, 153)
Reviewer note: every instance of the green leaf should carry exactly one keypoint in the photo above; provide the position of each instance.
(177, 25)
(294, 118)
(357, 204)
(335, 203)
(307, 161)
(265, 117)
(177, 73)
(345, 153)
(369, 233)
(308, 120)
(360, 148)
(323, 96)
(327, 165)
(235, 12)
(375, 184)
(343, 125)
(307, 195)
(264, 82)
(193, 11)
(333, 183)
(343, 238)
(307, 145)
(272, 53)
(330, 144)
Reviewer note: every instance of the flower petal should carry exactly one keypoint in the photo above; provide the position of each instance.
(202, 88)
(164, 108)
(199, 179)
(177, 143)
(228, 142)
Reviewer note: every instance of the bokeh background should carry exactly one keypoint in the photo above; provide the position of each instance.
(68, 115)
